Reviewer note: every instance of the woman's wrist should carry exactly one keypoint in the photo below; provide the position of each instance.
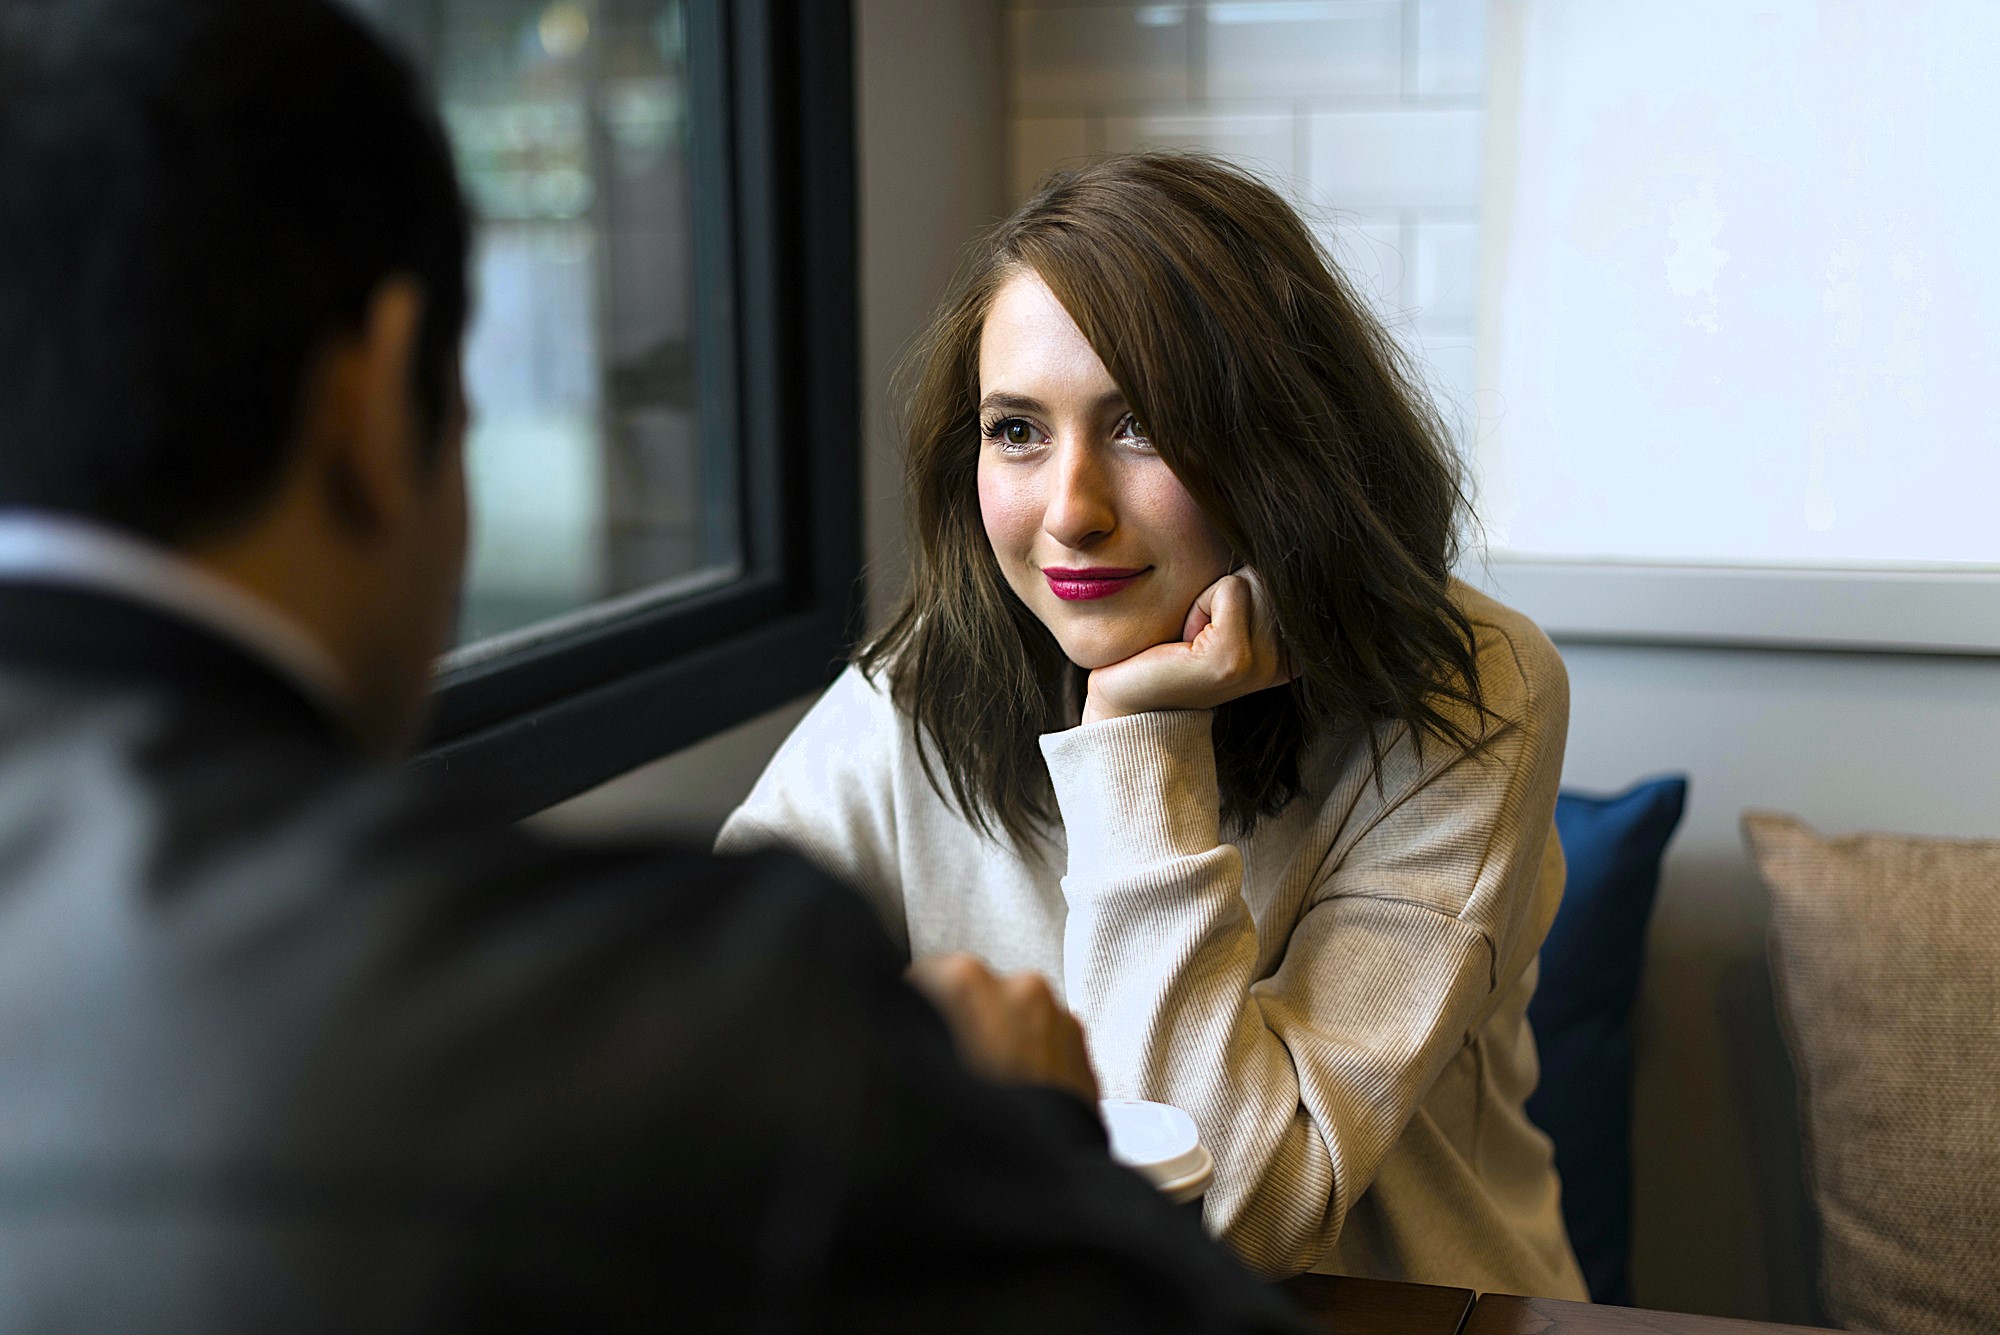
(1097, 711)
(1138, 792)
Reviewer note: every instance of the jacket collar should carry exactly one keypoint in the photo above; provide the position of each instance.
(106, 640)
(46, 547)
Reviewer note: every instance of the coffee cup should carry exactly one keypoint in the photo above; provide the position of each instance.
(1160, 1143)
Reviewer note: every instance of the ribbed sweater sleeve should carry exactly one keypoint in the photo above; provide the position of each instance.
(1304, 1080)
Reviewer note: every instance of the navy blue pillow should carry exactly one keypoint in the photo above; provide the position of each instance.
(1582, 1014)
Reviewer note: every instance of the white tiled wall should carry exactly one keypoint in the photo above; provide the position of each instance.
(1263, 140)
(1300, 50)
(1412, 157)
(1368, 114)
(1079, 57)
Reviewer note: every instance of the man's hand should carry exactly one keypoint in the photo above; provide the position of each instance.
(1010, 1030)
(1228, 648)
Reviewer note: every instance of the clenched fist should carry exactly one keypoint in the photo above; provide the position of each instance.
(1229, 648)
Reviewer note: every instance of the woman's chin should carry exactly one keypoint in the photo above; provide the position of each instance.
(1091, 652)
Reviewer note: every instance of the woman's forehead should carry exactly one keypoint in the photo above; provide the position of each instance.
(1029, 347)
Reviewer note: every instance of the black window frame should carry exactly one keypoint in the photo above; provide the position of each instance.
(773, 165)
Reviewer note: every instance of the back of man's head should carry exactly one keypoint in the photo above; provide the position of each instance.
(194, 196)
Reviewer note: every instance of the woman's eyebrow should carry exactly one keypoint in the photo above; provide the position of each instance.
(1019, 403)
(1022, 403)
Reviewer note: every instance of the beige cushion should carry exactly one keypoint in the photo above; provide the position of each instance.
(1886, 956)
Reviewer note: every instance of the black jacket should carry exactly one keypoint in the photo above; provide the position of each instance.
(288, 1042)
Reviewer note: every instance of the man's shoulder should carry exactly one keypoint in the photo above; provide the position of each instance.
(336, 969)
(434, 880)
(625, 980)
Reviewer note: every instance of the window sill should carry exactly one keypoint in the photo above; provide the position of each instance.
(1919, 610)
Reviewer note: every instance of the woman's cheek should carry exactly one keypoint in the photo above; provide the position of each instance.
(1185, 528)
(1009, 515)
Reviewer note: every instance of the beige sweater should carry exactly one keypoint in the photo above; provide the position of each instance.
(1339, 999)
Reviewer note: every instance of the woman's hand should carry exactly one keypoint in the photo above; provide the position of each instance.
(1229, 648)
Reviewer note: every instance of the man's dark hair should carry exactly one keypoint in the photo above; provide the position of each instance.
(194, 196)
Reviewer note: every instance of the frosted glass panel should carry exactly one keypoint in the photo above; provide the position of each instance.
(1745, 304)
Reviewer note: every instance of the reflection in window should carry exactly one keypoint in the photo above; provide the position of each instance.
(570, 122)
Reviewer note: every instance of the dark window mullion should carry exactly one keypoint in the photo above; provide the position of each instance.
(760, 283)
(719, 353)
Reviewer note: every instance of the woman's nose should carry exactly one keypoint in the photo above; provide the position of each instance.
(1080, 503)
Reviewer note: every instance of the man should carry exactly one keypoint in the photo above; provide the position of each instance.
(289, 1042)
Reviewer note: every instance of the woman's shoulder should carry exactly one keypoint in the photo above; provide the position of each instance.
(859, 718)
(860, 691)
(1521, 676)
(856, 708)
(845, 751)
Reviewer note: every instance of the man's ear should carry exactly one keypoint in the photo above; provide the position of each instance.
(372, 452)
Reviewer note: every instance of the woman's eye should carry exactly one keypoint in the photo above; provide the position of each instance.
(1012, 431)
(1131, 430)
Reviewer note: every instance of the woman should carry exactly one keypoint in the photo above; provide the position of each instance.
(1185, 711)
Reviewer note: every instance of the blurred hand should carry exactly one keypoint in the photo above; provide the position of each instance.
(1011, 1029)
(1228, 648)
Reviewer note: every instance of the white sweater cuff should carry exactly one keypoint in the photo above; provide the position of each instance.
(1135, 792)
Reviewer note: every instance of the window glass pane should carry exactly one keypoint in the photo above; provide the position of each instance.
(570, 121)
(1743, 312)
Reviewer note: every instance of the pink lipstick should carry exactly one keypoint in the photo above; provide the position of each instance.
(1073, 584)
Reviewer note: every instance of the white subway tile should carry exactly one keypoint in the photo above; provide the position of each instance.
(1446, 292)
(1396, 159)
(1369, 250)
(1086, 57)
(1263, 144)
(1037, 145)
(1451, 47)
(1304, 48)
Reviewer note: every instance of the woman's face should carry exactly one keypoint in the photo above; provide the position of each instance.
(1091, 528)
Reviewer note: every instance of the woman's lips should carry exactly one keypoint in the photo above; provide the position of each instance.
(1077, 585)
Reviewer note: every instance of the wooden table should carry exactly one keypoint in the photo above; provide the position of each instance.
(1502, 1314)
(1365, 1306)
(1377, 1307)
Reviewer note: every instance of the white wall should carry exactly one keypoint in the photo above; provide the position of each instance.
(928, 84)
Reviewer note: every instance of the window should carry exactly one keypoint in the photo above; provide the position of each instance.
(587, 465)
(664, 461)
(1738, 362)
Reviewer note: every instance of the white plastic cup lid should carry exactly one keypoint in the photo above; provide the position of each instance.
(1161, 1144)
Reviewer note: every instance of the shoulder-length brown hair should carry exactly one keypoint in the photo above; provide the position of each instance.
(1287, 412)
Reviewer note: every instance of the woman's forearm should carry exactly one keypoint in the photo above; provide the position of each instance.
(1301, 1060)
(1160, 955)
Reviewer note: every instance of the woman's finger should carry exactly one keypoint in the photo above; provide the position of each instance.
(1196, 623)
(1227, 645)
(1263, 613)
(1264, 630)
(1202, 614)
